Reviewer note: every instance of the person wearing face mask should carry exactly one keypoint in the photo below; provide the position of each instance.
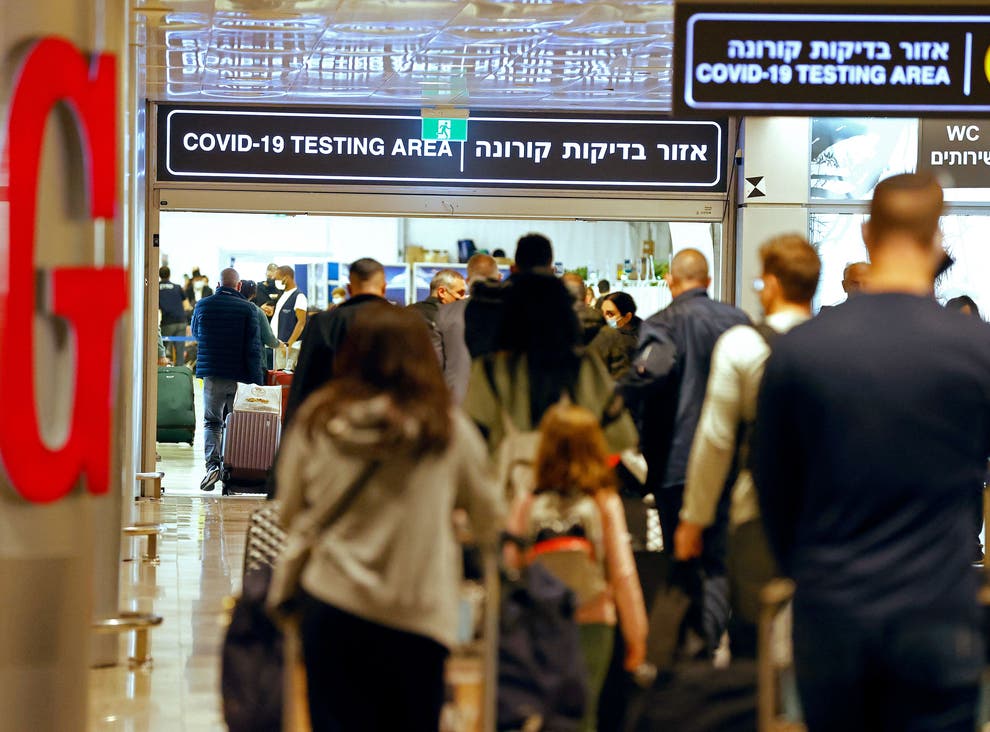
(289, 318)
(267, 294)
(337, 298)
(198, 287)
(617, 341)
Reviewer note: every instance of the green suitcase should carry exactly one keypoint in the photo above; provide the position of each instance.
(176, 405)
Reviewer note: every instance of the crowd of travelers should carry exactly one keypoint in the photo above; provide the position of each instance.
(846, 451)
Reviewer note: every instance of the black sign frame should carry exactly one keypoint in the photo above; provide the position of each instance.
(714, 75)
(633, 142)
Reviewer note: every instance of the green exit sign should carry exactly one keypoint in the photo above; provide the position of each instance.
(441, 128)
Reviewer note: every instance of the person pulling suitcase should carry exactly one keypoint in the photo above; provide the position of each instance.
(226, 327)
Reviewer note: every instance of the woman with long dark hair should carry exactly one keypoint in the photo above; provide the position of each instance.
(616, 343)
(379, 610)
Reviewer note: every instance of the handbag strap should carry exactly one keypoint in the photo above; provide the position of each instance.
(326, 515)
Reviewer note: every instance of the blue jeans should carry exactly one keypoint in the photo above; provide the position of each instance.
(918, 672)
(218, 400)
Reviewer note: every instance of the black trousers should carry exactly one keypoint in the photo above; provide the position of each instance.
(917, 673)
(715, 605)
(366, 677)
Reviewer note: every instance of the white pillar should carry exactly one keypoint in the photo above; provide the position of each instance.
(54, 574)
(776, 149)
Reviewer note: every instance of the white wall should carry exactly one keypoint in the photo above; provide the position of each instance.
(209, 240)
(600, 246)
(777, 149)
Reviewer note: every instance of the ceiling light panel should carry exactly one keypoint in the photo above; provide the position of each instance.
(516, 54)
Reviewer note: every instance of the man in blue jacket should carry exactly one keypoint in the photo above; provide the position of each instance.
(226, 327)
(664, 389)
(872, 434)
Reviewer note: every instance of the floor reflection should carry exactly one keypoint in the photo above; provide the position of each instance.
(201, 555)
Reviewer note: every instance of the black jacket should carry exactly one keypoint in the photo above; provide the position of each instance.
(665, 387)
(322, 338)
(455, 358)
(226, 327)
(483, 317)
(616, 346)
(872, 433)
(428, 308)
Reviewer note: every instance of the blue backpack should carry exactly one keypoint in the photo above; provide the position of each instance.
(541, 671)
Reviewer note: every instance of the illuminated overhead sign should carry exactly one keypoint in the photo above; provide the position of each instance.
(957, 151)
(831, 59)
(251, 145)
(36, 470)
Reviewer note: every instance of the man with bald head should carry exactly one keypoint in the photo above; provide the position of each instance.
(872, 434)
(229, 350)
(854, 278)
(455, 348)
(664, 389)
(325, 331)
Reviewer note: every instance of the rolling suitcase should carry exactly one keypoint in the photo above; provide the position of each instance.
(283, 379)
(250, 441)
(176, 405)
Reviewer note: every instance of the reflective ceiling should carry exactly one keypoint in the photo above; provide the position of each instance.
(495, 54)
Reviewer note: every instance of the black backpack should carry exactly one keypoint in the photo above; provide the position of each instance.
(541, 671)
(251, 673)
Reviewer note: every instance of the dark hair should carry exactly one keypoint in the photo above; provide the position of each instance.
(387, 351)
(164, 273)
(362, 270)
(286, 270)
(604, 286)
(795, 264)
(533, 251)
(249, 288)
(498, 253)
(623, 302)
(539, 322)
(908, 205)
(958, 303)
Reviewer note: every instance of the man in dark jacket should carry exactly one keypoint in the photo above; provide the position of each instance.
(483, 316)
(172, 303)
(665, 389)
(455, 357)
(872, 433)
(446, 287)
(325, 332)
(226, 327)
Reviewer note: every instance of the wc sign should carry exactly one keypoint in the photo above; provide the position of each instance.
(957, 151)
(53, 72)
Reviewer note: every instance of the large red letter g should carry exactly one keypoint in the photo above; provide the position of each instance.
(56, 71)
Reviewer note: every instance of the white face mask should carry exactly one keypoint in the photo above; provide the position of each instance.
(279, 285)
(338, 300)
(612, 323)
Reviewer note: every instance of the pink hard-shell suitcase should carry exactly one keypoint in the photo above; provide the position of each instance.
(250, 441)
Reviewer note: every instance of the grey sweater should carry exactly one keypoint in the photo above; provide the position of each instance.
(392, 558)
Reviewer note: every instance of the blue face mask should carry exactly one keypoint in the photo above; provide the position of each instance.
(612, 323)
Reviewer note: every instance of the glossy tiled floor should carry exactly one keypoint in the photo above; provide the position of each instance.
(200, 566)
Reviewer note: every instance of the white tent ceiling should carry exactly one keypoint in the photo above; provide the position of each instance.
(506, 54)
